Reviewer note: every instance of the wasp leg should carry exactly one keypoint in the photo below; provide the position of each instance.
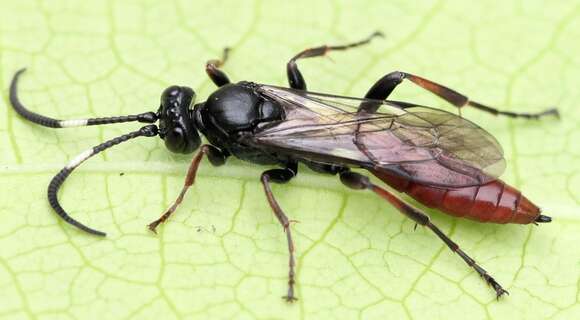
(216, 158)
(383, 88)
(325, 168)
(295, 78)
(212, 68)
(357, 181)
(282, 176)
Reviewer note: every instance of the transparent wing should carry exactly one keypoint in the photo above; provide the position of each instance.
(422, 144)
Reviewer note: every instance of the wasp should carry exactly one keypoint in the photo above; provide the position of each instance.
(438, 158)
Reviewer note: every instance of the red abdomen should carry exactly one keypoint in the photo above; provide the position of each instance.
(495, 202)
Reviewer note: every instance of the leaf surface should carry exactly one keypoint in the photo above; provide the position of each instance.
(223, 254)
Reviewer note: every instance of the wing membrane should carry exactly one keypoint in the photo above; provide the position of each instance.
(422, 144)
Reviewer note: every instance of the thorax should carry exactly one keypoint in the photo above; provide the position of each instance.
(235, 110)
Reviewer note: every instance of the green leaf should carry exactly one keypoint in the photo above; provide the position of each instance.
(223, 254)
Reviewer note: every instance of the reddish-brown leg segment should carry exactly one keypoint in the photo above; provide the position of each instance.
(216, 158)
(212, 68)
(357, 181)
(383, 88)
(295, 78)
(282, 176)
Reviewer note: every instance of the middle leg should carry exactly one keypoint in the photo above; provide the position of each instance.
(282, 176)
(383, 88)
(212, 68)
(295, 78)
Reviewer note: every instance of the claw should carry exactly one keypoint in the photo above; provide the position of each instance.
(290, 299)
(551, 111)
(377, 34)
(153, 226)
(499, 290)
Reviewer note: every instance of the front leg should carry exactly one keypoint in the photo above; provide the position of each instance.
(216, 158)
(282, 176)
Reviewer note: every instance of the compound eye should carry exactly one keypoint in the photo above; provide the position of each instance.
(175, 140)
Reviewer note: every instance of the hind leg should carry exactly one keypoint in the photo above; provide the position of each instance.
(383, 88)
(359, 182)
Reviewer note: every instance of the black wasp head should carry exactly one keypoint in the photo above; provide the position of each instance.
(176, 125)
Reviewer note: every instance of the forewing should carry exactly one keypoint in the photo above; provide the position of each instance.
(422, 144)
